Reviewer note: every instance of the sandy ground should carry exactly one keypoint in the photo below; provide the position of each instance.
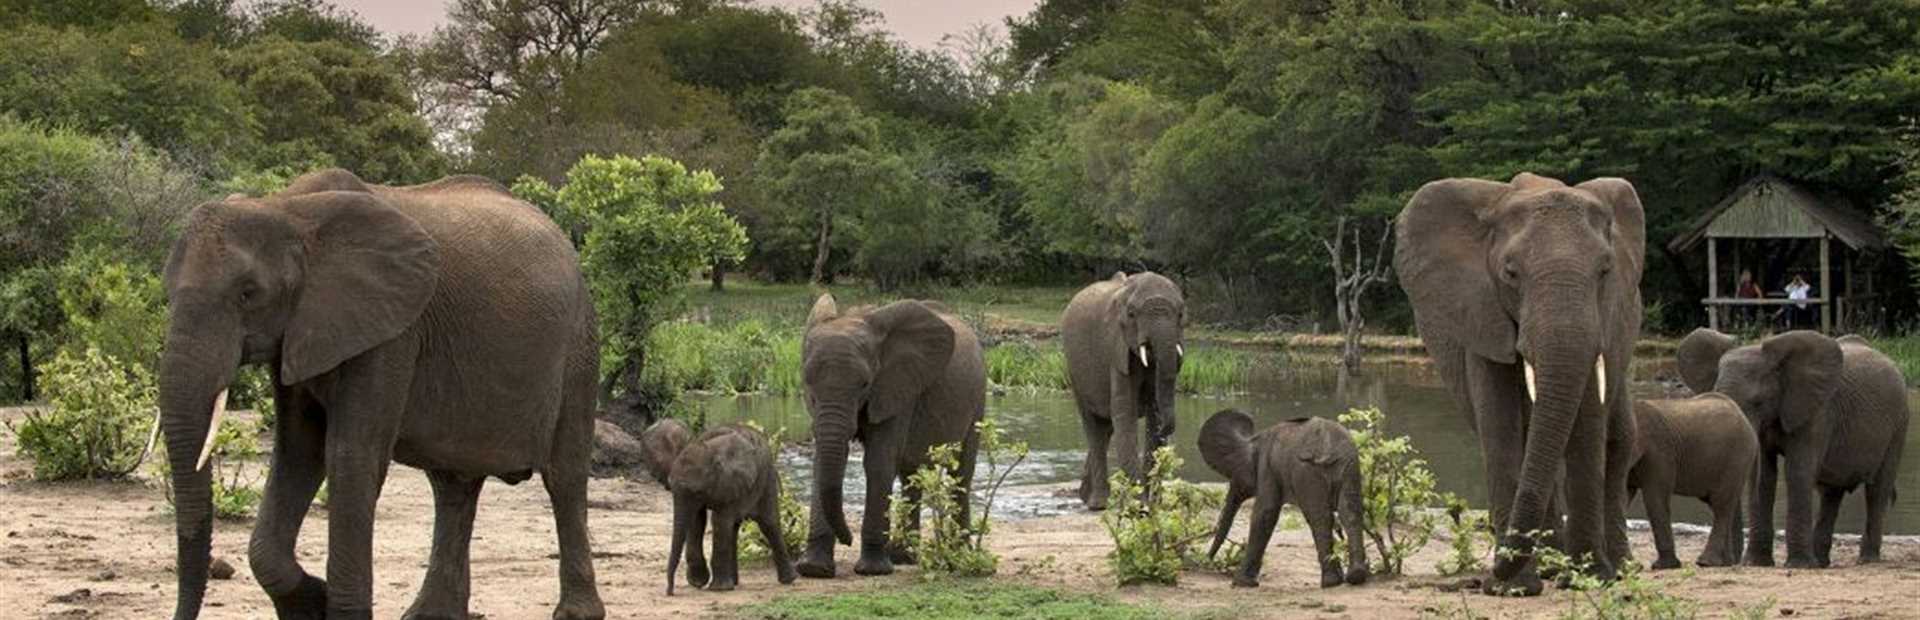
(105, 550)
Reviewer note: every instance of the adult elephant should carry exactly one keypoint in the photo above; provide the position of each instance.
(1123, 342)
(901, 378)
(445, 326)
(1527, 295)
(1835, 410)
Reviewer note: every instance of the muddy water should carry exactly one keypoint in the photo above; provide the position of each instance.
(1414, 400)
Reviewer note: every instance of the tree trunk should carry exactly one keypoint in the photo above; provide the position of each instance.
(26, 370)
(719, 276)
(824, 249)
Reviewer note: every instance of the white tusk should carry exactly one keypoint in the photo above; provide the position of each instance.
(213, 429)
(1143, 357)
(1180, 350)
(153, 436)
(1600, 376)
(1531, 391)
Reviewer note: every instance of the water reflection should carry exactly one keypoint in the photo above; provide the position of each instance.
(1416, 402)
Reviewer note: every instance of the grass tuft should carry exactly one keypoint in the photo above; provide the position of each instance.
(948, 599)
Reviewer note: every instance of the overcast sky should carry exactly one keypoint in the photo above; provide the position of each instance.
(920, 22)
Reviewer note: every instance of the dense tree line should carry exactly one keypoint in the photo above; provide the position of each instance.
(1216, 140)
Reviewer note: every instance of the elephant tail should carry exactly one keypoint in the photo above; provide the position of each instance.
(1226, 442)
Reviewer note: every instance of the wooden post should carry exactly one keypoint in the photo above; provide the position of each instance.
(1826, 288)
(1846, 268)
(1713, 283)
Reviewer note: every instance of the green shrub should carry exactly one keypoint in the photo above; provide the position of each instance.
(949, 547)
(1159, 524)
(114, 307)
(1632, 596)
(102, 412)
(1397, 490)
(743, 357)
(1214, 370)
(793, 514)
(235, 447)
(1468, 528)
(252, 389)
(1025, 364)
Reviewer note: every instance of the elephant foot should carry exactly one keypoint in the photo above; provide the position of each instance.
(698, 573)
(423, 610)
(1521, 582)
(1330, 579)
(589, 610)
(818, 564)
(1666, 562)
(1243, 581)
(900, 555)
(308, 600)
(350, 614)
(1869, 557)
(1759, 558)
(873, 561)
(722, 584)
(1357, 576)
(786, 573)
(1804, 562)
(1711, 560)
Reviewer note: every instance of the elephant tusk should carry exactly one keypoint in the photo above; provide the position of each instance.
(153, 436)
(1600, 376)
(213, 430)
(1532, 394)
(1143, 357)
(1180, 350)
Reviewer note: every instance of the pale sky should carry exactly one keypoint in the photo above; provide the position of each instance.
(919, 22)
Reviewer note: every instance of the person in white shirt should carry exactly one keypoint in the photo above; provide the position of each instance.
(1797, 289)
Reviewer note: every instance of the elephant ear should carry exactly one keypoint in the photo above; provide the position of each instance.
(915, 346)
(1226, 444)
(1699, 358)
(369, 273)
(1629, 226)
(328, 180)
(1440, 255)
(824, 309)
(1809, 364)
(1127, 331)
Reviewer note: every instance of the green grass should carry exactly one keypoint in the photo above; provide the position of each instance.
(1027, 364)
(948, 599)
(742, 357)
(787, 304)
(1905, 351)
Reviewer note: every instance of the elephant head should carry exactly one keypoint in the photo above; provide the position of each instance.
(1535, 272)
(299, 281)
(660, 443)
(1148, 312)
(864, 367)
(1783, 383)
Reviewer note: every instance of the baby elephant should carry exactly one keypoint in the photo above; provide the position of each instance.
(1697, 447)
(1310, 462)
(660, 444)
(729, 471)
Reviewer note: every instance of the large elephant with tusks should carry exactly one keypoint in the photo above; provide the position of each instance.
(1124, 344)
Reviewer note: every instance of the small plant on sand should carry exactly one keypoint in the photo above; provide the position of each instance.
(235, 482)
(1397, 490)
(101, 416)
(1158, 524)
(950, 545)
(793, 514)
(1632, 595)
(1468, 528)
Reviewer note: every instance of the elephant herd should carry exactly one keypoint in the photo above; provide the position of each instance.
(447, 327)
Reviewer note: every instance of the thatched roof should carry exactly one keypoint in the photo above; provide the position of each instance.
(1768, 207)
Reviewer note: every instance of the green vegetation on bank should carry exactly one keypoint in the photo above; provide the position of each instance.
(949, 599)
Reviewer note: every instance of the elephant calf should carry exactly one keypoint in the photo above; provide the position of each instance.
(660, 444)
(1697, 447)
(1310, 462)
(728, 471)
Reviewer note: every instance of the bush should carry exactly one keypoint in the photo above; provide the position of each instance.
(1159, 524)
(235, 446)
(1024, 364)
(949, 546)
(101, 416)
(113, 306)
(1397, 489)
(253, 389)
(1633, 595)
(1467, 528)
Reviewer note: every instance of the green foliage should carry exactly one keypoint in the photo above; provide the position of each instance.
(1078, 173)
(948, 546)
(328, 102)
(235, 482)
(1468, 530)
(1159, 524)
(1027, 364)
(1397, 490)
(114, 307)
(1633, 595)
(253, 389)
(948, 599)
(793, 514)
(742, 357)
(102, 412)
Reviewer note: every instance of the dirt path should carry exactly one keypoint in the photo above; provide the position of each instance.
(105, 550)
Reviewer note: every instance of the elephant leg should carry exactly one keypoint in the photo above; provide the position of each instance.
(1760, 512)
(1721, 545)
(1318, 511)
(897, 549)
(767, 516)
(1802, 466)
(1266, 514)
(1879, 497)
(445, 591)
(1586, 485)
(698, 573)
(1093, 474)
(1737, 533)
(299, 466)
(726, 551)
(1619, 466)
(882, 465)
(1352, 512)
(1123, 407)
(1502, 433)
(1830, 498)
(565, 478)
(366, 401)
(1660, 515)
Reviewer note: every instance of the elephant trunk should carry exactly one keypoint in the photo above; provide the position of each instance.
(1561, 348)
(193, 373)
(1235, 497)
(682, 520)
(832, 431)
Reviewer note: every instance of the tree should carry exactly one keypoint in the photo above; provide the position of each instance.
(827, 165)
(1079, 174)
(1351, 279)
(325, 103)
(643, 225)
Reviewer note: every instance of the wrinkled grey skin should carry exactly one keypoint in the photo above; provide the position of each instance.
(901, 378)
(1534, 271)
(1834, 410)
(444, 326)
(1700, 447)
(660, 444)
(728, 471)
(1308, 462)
(1102, 331)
